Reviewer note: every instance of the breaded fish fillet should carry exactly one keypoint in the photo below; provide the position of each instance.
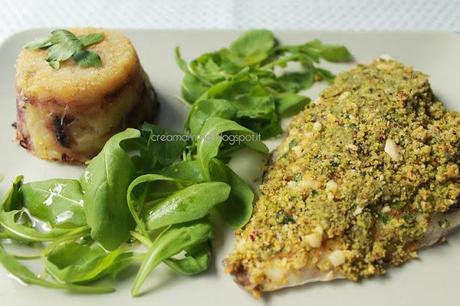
(368, 174)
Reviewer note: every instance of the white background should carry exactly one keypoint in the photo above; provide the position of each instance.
(432, 15)
(438, 268)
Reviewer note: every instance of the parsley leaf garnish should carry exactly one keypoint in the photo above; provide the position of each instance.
(91, 39)
(85, 58)
(63, 45)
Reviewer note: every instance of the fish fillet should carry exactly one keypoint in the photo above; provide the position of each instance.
(368, 174)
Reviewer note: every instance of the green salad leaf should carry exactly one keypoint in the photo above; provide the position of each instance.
(237, 209)
(292, 82)
(24, 274)
(19, 225)
(253, 47)
(104, 184)
(289, 103)
(73, 262)
(139, 192)
(191, 203)
(13, 198)
(171, 242)
(187, 171)
(157, 148)
(210, 140)
(57, 201)
(242, 77)
(196, 260)
(204, 109)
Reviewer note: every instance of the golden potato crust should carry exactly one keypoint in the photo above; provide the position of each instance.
(68, 114)
(72, 84)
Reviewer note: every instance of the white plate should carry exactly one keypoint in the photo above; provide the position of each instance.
(428, 281)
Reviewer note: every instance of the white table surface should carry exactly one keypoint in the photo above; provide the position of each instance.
(343, 15)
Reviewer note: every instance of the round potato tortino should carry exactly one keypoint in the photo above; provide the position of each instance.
(69, 113)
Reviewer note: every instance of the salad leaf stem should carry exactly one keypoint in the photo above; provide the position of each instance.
(24, 274)
(171, 242)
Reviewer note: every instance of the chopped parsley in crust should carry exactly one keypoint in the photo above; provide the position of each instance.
(352, 189)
